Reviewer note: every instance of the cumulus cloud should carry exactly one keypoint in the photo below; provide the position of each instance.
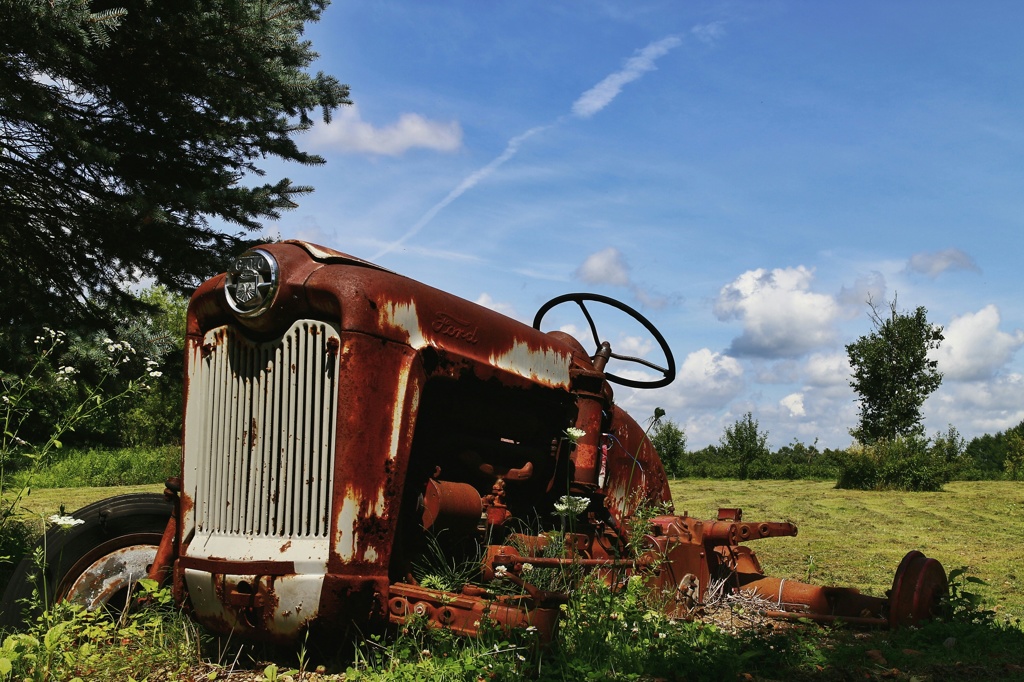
(348, 132)
(705, 383)
(607, 266)
(794, 402)
(781, 316)
(825, 370)
(935, 263)
(974, 347)
(487, 301)
(977, 407)
(601, 95)
(866, 288)
(707, 379)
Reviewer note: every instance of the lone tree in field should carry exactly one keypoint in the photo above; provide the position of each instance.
(745, 443)
(892, 373)
(131, 135)
(670, 442)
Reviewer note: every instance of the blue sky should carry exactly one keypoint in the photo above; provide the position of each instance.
(746, 174)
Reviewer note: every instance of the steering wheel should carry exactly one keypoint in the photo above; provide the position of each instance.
(667, 373)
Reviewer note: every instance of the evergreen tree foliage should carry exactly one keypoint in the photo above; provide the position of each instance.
(893, 375)
(131, 133)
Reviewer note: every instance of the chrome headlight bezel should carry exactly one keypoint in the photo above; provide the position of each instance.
(251, 283)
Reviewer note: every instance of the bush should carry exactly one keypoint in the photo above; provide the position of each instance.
(903, 463)
(859, 471)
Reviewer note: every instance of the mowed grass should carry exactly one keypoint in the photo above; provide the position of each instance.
(846, 537)
(857, 538)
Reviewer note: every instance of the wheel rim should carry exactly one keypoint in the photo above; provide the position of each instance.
(919, 584)
(106, 576)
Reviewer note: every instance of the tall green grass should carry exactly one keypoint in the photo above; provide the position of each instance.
(96, 468)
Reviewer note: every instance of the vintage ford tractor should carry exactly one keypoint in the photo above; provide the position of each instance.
(343, 424)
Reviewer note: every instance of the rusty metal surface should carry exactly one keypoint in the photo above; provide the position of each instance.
(447, 433)
(919, 584)
(111, 576)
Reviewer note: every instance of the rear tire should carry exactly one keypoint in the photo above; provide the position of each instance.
(95, 563)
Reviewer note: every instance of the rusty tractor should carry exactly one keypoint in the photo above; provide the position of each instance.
(344, 423)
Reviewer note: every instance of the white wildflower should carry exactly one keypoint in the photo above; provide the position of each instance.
(574, 434)
(155, 374)
(500, 571)
(65, 521)
(527, 567)
(531, 629)
(570, 505)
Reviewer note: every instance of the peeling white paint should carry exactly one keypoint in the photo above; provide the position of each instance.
(348, 516)
(545, 366)
(403, 317)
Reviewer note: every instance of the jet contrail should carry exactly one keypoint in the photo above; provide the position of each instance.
(586, 105)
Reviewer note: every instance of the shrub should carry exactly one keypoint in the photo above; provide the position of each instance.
(858, 471)
(903, 463)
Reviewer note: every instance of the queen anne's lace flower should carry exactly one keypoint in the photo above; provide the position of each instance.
(574, 434)
(65, 521)
(570, 505)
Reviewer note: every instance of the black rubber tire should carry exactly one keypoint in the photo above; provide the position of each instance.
(135, 520)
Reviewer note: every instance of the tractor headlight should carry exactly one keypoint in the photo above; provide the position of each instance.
(251, 283)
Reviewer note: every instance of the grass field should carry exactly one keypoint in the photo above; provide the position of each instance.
(857, 538)
(847, 537)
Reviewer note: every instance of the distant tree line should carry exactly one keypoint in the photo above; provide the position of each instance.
(908, 463)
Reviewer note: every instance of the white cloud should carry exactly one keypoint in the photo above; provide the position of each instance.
(601, 95)
(348, 132)
(974, 348)
(977, 407)
(934, 264)
(709, 33)
(794, 402)
(609, 267)
(870, 287)
(605, 267)
(828, 370)
(487, 301)
(634, 346)
(707, 379)
(781, 316)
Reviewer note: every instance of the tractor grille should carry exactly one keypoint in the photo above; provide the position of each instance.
(265, 452)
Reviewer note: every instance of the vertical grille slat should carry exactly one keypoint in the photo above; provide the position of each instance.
(268, 433)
